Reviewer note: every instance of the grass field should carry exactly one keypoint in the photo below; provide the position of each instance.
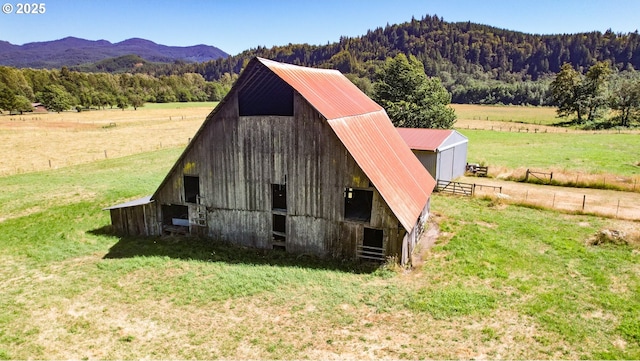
(47, 141)
(587, 153)
(187, 105)
(502, 281)
(501, 113)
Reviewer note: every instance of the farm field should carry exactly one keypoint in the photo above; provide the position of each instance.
(55, 140)
(49, 141)
(501, 281)
(506, 114)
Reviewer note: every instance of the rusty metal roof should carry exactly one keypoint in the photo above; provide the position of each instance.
(424, 139)
(327, 90)
(366, 131)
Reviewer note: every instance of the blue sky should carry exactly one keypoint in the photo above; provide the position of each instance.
(234, 26)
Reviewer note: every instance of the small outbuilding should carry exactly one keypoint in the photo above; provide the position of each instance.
(443, 152)
(296, 159)
(39, 108)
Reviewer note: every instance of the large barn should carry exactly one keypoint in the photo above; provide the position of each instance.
(443, 152)
(297, 159)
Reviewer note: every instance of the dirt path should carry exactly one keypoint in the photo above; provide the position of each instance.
(624, 205)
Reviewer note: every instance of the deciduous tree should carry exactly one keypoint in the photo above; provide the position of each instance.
(581, 95)
(625, 97)
(410, 98)
(55, 98)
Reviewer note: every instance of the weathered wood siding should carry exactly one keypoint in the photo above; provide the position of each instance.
(237, 160)
(134, 221)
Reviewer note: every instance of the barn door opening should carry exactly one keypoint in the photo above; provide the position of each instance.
(175, 219)
(372, 246)
(279, 216)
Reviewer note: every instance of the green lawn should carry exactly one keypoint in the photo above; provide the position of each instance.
(578, 152)
(502, 282)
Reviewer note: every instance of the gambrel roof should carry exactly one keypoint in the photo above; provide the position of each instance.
(366, 131)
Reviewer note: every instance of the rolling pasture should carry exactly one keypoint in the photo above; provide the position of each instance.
(502, 280)
(35, 142)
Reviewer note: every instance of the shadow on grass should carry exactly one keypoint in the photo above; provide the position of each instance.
(210, 250)
(565, 123)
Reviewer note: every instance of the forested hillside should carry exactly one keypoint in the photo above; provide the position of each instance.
(454, 48)
(477, 64)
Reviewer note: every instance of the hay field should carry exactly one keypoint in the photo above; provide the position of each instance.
(518, 119)
(36, 142)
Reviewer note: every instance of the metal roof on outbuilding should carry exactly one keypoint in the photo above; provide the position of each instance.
(431, 139)
(368, 134)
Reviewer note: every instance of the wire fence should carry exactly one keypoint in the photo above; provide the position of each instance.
(614, 204)
(542, 129)
(55, 162)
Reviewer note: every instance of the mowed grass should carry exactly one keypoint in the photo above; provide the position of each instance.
(501, 282)
(615, 154)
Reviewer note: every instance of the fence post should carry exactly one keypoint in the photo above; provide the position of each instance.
(584, 200)
(618, 208)
(526, 177)
(550, 177)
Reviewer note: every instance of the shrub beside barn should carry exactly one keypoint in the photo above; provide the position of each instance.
(297, 159)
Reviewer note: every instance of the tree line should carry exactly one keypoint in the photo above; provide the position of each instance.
(64, 89)
(598, 98)
(478, 64)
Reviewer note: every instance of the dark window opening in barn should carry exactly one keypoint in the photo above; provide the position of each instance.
(280, 223)
(279, 197)
(175, 215)
(372, 244)
(191, 189)
(357, 204)
(265, 94)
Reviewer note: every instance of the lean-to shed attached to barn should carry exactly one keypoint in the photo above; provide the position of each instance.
(297, 159)
(443, 152)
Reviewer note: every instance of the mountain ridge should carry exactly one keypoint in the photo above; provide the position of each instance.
(72, 51)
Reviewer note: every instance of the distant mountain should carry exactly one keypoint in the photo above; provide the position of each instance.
(72, 51)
